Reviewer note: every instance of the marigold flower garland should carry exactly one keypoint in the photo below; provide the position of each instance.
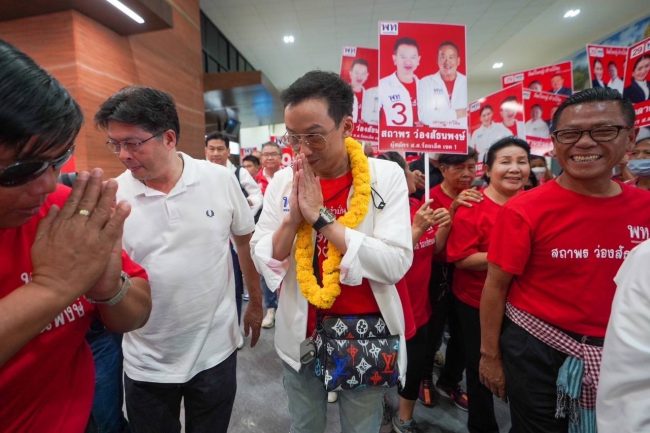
(324, 297)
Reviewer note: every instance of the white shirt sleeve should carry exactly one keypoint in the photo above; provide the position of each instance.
(242, 218)
(623, 403)
(252, 188)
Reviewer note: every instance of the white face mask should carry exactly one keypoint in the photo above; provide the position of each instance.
(538, 171)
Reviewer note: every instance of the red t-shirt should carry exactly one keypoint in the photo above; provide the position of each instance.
(48, 385)
(413, 93)
(512, 128)
(353, 299)
(564, 250)
(261, 180)
(440, 199)
(450, 87)
(417, 277)
(405, 299)
(470, 234)
(359, 96)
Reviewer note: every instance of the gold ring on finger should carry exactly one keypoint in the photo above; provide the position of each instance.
(84, 212)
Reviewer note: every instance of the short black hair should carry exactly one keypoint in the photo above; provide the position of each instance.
(597, 94)
(502, 143)
(405, 41)
(395, 157)
(327, 86)
(486, 107)
(454, 159)
(359, 61)
(252, 158)
(217, 136)
(611, 62)
(597, 61)
(151, 109)
(449, 44)
(534, 82)
(637, 61)
(34, 107)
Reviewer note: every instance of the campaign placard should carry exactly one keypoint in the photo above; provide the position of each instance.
(539, 108)
(637, 83)
(607, 66)
(556, 79)
(359, 67)
(497, 115)
(422, 87)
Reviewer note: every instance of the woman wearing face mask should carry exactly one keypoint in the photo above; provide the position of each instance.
(508, 170)
(639, 163)
(539, 168)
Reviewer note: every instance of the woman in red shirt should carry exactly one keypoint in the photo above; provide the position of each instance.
(429, 229)
(508, 169)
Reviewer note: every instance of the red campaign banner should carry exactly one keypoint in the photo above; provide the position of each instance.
(637, 83)
(557, 79)
(497, 115)
(359, 67)
(539, 108)
(422, 87)
(607, 66)
(245, 151)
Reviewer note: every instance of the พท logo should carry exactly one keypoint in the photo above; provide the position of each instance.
(388, 28)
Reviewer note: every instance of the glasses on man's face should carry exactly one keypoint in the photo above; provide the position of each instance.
(270, 154)
(21, 172)
(600, 134)
(315, 142)
(130, 146)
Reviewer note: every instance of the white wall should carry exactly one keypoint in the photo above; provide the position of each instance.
(254, 137)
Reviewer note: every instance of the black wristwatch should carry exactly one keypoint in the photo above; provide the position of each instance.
(325, 217)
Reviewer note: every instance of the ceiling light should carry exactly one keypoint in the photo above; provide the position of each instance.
(127, 11)
(497, 65)
(572, 13)
(288, 39)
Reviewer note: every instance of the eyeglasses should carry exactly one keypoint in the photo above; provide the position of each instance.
(315, 142)
(270, 154)
(131, 146)
(21, 172)
(600, 134)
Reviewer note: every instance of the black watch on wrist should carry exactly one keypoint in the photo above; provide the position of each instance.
(325, 217)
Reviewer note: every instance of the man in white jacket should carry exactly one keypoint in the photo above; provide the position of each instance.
(375, 254)
(442, 97)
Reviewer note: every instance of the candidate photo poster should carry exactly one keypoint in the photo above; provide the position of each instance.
(637, 81)
(556, 79)
(539, 108)
(422, 87)
(607, 66)
(359, 67)
(497, 115)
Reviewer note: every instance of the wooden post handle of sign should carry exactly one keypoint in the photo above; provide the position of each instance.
(426, 176)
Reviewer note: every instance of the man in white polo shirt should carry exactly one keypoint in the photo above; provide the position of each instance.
(184, 211)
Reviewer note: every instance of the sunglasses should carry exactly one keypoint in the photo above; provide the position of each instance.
(21, 172)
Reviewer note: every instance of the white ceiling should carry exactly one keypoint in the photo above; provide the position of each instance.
(519, 33)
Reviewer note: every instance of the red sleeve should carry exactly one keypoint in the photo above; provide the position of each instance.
(463, 239)
(132, 268)
(409, 319)
(510, 241)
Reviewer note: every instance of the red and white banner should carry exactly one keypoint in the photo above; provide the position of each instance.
(497, 115)
(359, 67)
(286, 151)
(637, 81)
(539, 108)
(557, 79)
(422, 87)
(607, 66)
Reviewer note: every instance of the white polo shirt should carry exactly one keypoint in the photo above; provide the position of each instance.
(181, 239)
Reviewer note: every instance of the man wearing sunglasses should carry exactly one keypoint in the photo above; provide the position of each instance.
(184, 212)
(60, 260)
(376, 253)
(552, 260)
